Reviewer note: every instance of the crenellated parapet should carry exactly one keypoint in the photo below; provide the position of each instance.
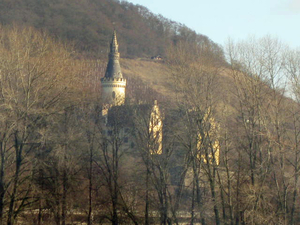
(113, 79)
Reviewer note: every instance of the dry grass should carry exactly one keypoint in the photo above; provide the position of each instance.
(152, 73)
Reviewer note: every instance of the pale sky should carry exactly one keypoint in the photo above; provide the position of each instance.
(236, 19)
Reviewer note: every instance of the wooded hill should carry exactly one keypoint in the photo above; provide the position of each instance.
(56, 168)
(89, 24)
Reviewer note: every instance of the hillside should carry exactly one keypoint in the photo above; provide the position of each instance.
(89, 24)
(153, 74)
(231, 137)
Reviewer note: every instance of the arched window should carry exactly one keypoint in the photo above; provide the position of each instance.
(113, 95)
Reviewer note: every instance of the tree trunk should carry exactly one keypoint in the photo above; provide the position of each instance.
(18, 162)
(89, 219)
(147, 192)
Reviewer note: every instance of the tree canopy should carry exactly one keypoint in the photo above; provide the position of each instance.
(89, 24)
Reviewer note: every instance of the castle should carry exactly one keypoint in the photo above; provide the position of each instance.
(121, 119)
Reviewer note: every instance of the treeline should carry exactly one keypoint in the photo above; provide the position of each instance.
(246, 113)
(230, 138)
(40, 80)
(89, 24)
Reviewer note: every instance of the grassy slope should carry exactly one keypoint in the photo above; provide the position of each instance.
(152, 73)
(156, 75)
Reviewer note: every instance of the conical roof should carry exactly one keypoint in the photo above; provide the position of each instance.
(113, 69)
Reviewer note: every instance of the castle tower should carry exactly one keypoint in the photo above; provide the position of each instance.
(113, 83)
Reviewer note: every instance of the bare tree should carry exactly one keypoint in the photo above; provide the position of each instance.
(194, 74)
(258, 75)
(115, 167)
(292, 66)
(35, 75)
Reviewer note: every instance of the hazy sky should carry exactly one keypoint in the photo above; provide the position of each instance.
(237, 19)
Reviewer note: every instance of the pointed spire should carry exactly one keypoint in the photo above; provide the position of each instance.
(113, 69)
(114, 43)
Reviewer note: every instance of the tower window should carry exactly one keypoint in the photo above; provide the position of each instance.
(157, 135)
(113, 95)
(132, 145)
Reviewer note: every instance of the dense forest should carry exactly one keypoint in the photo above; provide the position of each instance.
(89, 24)
(230, 134)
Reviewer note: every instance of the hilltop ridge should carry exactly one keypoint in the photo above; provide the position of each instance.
(89, 24)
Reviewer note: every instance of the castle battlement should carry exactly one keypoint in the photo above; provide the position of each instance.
(109, 79)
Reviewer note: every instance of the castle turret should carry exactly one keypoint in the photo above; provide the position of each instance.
(113, 83)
